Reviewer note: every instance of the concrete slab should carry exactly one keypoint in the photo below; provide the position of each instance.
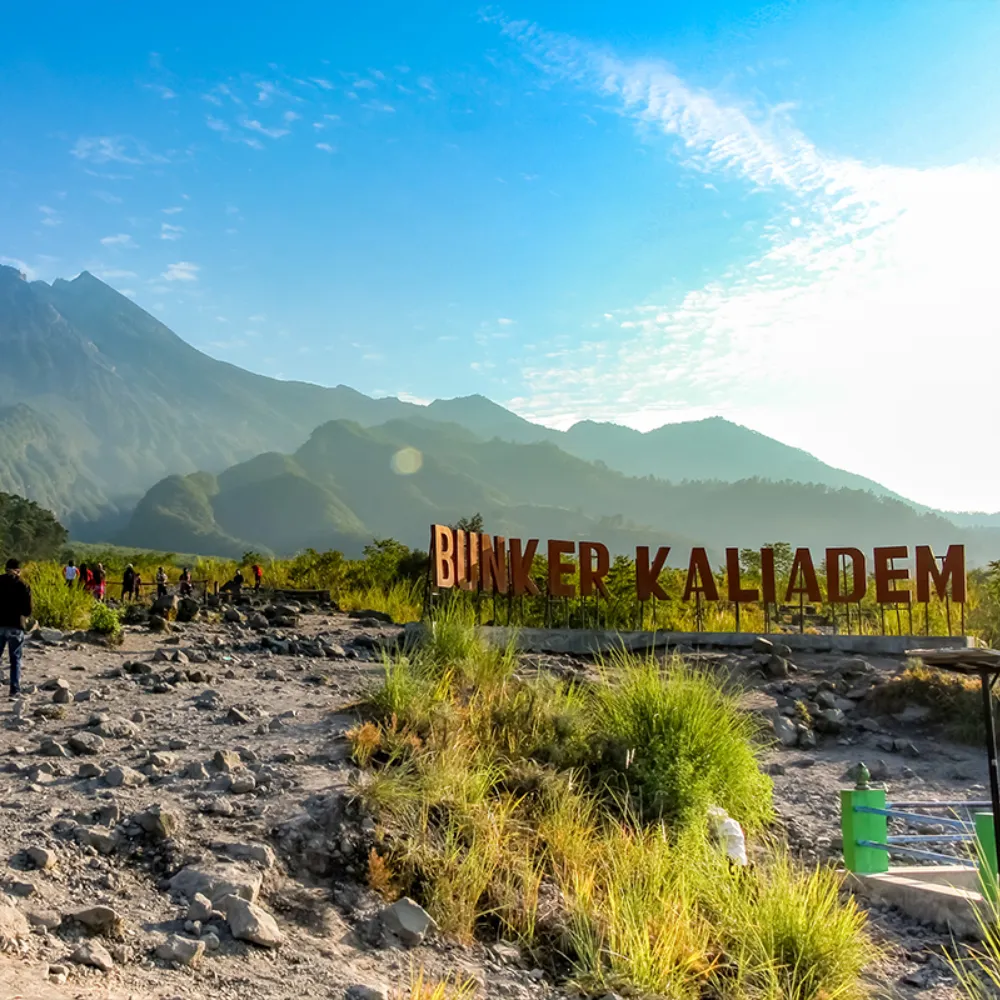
(942, 896)
(591, 641)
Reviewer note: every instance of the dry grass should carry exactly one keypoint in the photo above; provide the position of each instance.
(955, 702)
(509, 813)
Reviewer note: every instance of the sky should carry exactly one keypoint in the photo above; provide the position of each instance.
(783, 213)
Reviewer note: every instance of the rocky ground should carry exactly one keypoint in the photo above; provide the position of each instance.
(176, 821)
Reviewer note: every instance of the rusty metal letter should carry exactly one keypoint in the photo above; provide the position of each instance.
(520, 566)
(493, 563)
(473, 557)
(592, 576)
(444, 556)
(859, 576)
(700, 579)
(768, 579)
(803, 568)
(647, 577)
(558, 569)
(885, 576)
(952, 568)
(738, 594)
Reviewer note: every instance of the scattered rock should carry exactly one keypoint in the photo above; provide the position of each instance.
(41, 858)
(409, 921)
(86, 744)
(13, 926)
(200, 909)
(215, 882)
(121, 776)
(249, 922)
(180, 950)
(785, 731)
(227, 761)
(159, 821)
(831, 721)
(361, 992)
(46, 919)
(260, 853)
(94, 954)
(118, 729)
(101, 920)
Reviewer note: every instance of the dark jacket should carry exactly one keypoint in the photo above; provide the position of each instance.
(15, 601)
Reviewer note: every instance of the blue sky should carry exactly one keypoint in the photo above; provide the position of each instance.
(782, 212)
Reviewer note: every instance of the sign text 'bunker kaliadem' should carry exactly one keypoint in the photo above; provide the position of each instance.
(486, 563)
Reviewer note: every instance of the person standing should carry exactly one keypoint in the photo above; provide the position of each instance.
(238, 582)
(161, 582)
(81, 575)
(100, 582)
(185, 582)
(15, 611)
(70, 573)
(258, 575)
(128, 583)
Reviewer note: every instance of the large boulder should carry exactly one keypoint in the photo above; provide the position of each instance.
(162, 606)
(187, 609)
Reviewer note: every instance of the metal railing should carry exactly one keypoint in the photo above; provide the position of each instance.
(868, 845)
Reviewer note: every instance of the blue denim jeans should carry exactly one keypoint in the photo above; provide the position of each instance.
(13, 639)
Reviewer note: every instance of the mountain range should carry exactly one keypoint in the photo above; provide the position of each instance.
(126, 431)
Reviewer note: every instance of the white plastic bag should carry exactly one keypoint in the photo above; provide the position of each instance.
(729, 833)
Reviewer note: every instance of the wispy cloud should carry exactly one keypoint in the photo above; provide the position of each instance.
(165, 92)
(113, 273)
(173, 210)
(326, 147)
(863, 268)
(181, 271)
(115, 149)
(29, 272)
(118, 240)
(107, 197)
(169, 232)
(50, 217)
(255, 126)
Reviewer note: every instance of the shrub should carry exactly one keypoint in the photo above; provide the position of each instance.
(489, 799)
(676, 742)
(955, 701)
(54, 604)
(105, 621)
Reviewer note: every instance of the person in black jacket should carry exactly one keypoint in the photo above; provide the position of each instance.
(15, 610)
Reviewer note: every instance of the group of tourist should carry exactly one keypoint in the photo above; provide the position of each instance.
(15, 600)
(93, 579)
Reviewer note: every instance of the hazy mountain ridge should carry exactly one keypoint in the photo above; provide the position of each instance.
(339, 490)
(101, 404)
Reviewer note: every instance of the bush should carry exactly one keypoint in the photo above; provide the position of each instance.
(487, 790)
(676, 743)
(54, 604)
(105, 621)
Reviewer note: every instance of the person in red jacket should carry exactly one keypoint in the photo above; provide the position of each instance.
(258, 575)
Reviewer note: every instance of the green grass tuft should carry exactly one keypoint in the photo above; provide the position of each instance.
(676, 742)
(53, 603)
